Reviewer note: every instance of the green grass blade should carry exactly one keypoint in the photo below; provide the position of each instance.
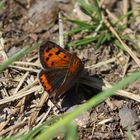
(11, 138)
(2, 5)
(129, 134)
(78, 30)
(119, 45)
(124, 16)
(82, 42)
(32, 133)
(87, 9)
(103, 38)
(79, 22)
(19, 55)
(131, 41)
(71, 133)
(51, 131)
(98, 10)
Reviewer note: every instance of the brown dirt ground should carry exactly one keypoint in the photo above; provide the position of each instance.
(105, 121)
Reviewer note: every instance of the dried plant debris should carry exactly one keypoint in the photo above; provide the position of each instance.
(43, 14)
(105, 36)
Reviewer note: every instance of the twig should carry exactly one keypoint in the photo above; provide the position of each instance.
(22, 93)
(26, 63)
(23, 68)
(12, 127)
(21, 82)
(44, 116)
(61, 37)
(34, 114)
(101, 63)
(135, 58)
(125, 10)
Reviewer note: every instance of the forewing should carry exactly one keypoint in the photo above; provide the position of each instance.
(51, 80)
(53, 56)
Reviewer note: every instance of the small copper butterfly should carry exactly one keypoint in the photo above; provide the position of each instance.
(60, 69)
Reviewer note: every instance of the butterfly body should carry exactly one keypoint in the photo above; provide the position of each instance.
(60, 69)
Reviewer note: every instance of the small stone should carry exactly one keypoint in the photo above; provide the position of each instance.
(83, 119)
(42, 15)
(127, 117)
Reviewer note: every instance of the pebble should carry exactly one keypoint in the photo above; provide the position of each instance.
(83, 119)
(128, 117)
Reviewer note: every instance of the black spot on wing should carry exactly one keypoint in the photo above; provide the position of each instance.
(50, 54)
(58, 52)
(52, 63)
(65, 56)
(47, 58)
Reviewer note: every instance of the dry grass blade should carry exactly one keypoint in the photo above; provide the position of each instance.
(90, 81)
(2, 52)
(15, 96)
(105, 121)
(135, 58)
(26, 69)
(101, 63)
(34, 114)
(124, 93)
(29, 86)
(3, 124)
(12, 128)
(13, 111)
(126, 66)
(27, 63)
(22, 93)
(125, 9)
(44, 116)
(18, 106)
(61, 36)
(21, 82)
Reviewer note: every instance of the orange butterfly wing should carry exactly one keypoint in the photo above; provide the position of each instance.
(59, 69)
(51, 79)
(53, 56)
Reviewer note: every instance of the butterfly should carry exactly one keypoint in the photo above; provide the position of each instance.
(60, 69)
